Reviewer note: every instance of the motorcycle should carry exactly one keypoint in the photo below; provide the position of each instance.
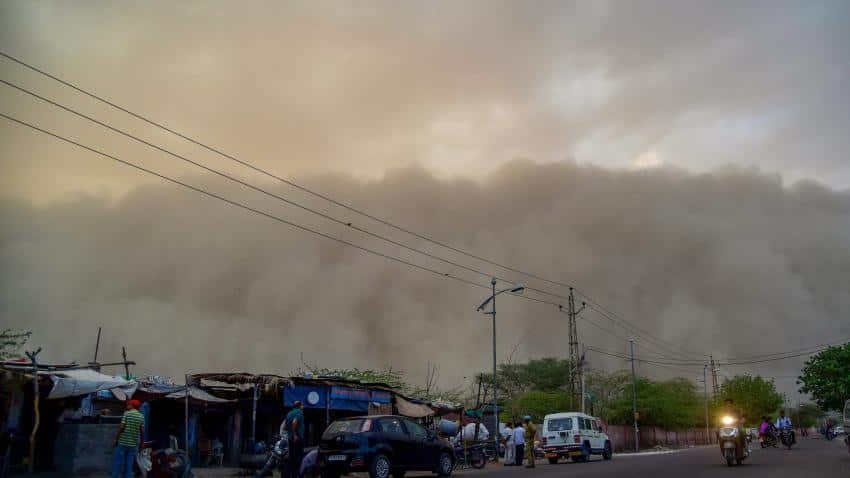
(470, 456)
(769, 440)
(786, 436)
(278, 455)
(733, 445)
(165, 463)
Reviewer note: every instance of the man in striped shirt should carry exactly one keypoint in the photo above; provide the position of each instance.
(127, 441)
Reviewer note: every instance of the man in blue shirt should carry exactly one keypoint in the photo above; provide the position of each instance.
(295, 427)
(785, 422)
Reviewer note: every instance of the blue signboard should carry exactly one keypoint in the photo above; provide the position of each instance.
(351, 399)
(312, 396)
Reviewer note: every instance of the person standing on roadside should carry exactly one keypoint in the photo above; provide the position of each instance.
(127, 441)
(530, 434)
(295, 427)
(519, 444)
(510, 450)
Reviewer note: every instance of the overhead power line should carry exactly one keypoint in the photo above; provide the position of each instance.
(803, 349)
(259, 189)
(638, 359)
(603, 311)
(255, 210)
(718, 363)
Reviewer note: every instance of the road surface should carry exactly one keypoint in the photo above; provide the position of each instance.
(809, 459)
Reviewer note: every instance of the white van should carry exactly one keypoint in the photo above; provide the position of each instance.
(574, 435)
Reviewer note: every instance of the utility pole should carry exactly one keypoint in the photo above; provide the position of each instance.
(715, 388)
(495, 432)
(574, 382)
(634, 396)
(583, 381)
(705, 399)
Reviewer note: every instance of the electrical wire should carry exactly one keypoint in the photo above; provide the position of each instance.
(254, 210)
(259, 189)
(819, 346)
(331, 200)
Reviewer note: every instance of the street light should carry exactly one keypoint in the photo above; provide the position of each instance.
(518, 288)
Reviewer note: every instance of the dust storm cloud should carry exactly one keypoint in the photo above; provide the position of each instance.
(729, 257)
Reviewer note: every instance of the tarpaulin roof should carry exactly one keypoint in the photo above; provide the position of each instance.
(198, 394)
(412, 410)
(78, 382)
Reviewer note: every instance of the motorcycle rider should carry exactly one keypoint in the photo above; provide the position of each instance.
(785, 422)
(729, 409)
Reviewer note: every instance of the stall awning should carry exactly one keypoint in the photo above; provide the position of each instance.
(413, 410)
(198, 394)
(79, 382)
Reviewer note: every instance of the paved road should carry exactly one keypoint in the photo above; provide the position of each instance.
(811, 459)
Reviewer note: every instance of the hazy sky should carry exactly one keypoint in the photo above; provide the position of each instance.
(459, 87)
(687, 162)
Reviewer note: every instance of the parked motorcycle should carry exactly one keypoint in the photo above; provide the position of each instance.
(165, 463)
(786, 436)
(733, 445)
(278, 455)
(470, 456)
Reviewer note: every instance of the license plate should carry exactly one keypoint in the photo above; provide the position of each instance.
(575, 453)
(337, 458)
(551, 455)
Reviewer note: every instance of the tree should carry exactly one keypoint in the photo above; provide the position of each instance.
(603, 389)
(826, 376)
(11, 342)
(808, 415)
(671, 404)
(514, 379)
(754, 396)
(537, 404)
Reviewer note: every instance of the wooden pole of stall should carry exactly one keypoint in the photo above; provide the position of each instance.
(126, 363)
(96, 346)
(254, 416)
(186, 417)
(33, 356)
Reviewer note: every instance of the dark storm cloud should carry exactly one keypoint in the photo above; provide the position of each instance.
(729, 263)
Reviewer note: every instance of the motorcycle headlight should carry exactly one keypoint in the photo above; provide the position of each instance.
(727, 420)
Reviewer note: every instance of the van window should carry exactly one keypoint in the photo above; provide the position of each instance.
(595, 425)
(585, 423)
(560, 425)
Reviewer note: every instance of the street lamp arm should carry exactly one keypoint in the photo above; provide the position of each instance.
(513, 290)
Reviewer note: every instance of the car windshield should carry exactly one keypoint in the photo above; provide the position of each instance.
(560, 424)
(345, 426)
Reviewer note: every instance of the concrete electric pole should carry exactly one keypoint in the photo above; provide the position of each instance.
(575, 379)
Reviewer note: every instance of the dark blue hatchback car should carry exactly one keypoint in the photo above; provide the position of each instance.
(383, 446)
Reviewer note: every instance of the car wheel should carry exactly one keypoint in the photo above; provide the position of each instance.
(380, 467)
(553, 461)
(606, 452)
(445, 465)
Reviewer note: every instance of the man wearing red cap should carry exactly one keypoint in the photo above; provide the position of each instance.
(127, 441)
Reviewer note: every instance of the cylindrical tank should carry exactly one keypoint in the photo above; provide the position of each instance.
(447, 427)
